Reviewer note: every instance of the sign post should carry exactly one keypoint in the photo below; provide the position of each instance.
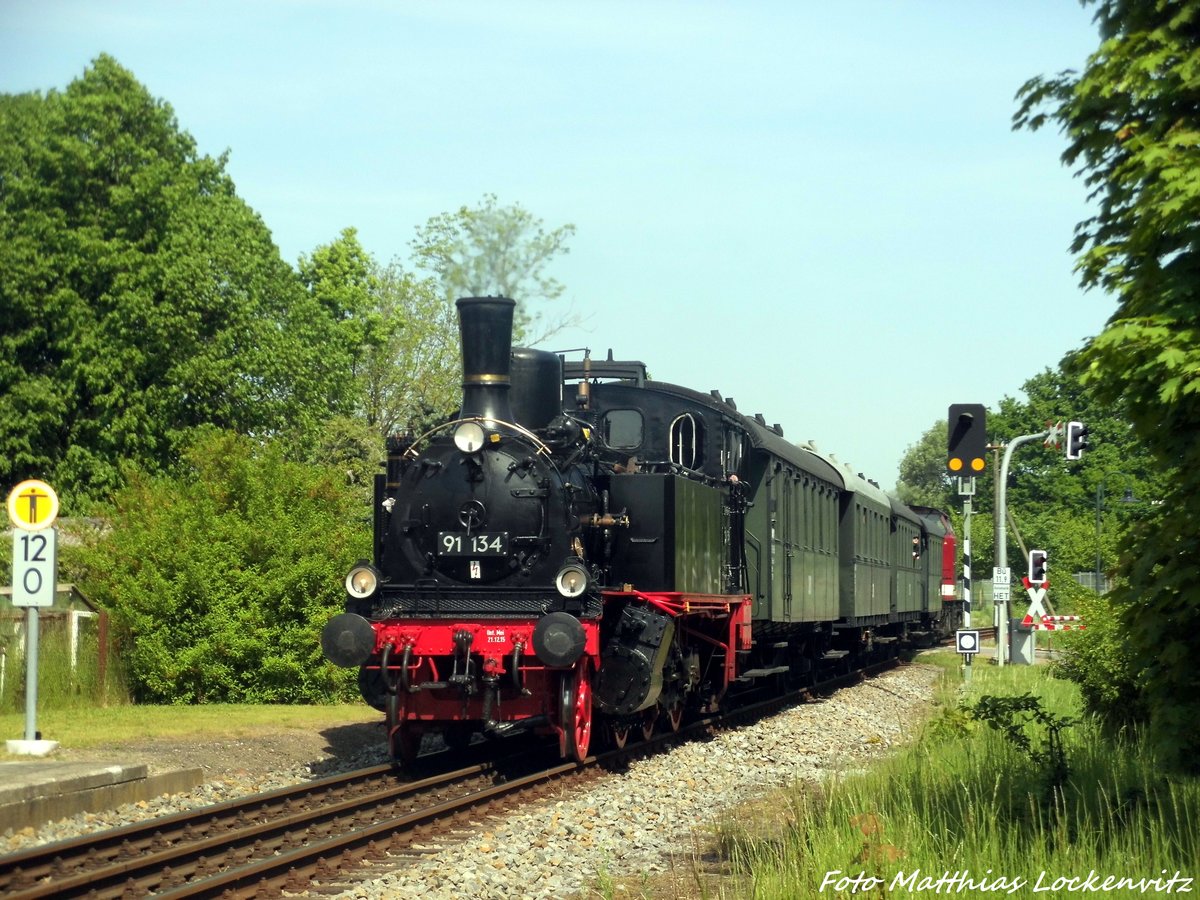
(966, 457)
(32, 508)
(1001, 579)
(966, 489)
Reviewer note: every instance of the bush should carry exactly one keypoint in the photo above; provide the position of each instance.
(1100, 661)
(221, 576)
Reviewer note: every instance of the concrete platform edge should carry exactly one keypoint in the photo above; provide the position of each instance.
(34, 812)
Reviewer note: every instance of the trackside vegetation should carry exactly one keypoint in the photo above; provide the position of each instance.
(1010, 790)
(1133, 137)
(65, 684)
(238, 524)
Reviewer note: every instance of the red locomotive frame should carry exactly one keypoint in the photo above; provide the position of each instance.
(421, 661)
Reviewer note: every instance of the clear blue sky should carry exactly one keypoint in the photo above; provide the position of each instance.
(817, 208)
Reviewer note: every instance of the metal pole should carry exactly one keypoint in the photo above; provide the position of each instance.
(31, 670)
(997, 528)
(966, 488)
(1003, 644)
(967, 565)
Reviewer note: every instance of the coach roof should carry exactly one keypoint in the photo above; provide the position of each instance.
(762, 436)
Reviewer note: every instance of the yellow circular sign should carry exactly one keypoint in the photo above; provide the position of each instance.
(33, 505)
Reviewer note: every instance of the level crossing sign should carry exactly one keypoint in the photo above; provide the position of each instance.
(1041, 617)
(1036, 597)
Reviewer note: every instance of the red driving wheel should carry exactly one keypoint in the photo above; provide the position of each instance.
(577, 712)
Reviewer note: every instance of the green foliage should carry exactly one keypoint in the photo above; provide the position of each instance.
(394, 335)
(972, 797)
(341, 281)
(1134, 136)
(1012, 717)
(1100, 661)
(222, 574)
(923, 480)
(140, 297)
(492, 249)
(352, 447)
(413, 378)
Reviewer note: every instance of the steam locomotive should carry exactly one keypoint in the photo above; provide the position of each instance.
(605, 562)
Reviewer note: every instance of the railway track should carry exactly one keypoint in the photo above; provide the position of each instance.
(267, 843)
(321, 834)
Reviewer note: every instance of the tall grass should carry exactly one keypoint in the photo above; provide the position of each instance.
(964, 803)
(62, 684)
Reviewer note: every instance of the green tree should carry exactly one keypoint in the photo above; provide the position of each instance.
(1133, 125)
(139, 296)
(340, 278)
(493, 249)
(414, 377)
(395, 335)
(923, 478)
(221, 574)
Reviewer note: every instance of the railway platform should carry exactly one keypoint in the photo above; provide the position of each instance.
(36, 791)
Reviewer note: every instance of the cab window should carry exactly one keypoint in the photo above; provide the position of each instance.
(686, 441)
(623, 429)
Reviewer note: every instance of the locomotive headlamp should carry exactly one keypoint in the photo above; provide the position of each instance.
(572, 579)
(468, 437)
(362, 581)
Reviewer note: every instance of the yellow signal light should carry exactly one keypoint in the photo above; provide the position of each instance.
(955, 463)
(977, 464)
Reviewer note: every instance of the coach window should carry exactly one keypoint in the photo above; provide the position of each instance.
(623, 429)
(829, 522)
(821, 507)
(805, 512)
(686, 436)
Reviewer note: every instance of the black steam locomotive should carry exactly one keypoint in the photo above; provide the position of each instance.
(622, 556)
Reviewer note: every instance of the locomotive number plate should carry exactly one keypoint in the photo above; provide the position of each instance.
(459, 543)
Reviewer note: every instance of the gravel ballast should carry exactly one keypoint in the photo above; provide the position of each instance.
(634, 825)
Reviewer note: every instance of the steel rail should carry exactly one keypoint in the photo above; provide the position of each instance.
(281, 840)
(93, 864)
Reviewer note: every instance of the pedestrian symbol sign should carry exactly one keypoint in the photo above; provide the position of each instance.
(32, 505)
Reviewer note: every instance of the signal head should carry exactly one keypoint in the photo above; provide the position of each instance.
(1077, 439)
(1037, 567)
(966, 444)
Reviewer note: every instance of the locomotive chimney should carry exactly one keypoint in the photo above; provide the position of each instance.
(486, 326)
